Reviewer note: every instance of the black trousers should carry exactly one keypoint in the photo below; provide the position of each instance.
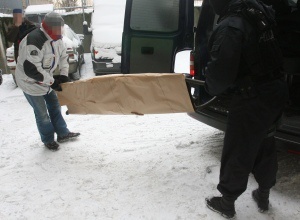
(246, 145)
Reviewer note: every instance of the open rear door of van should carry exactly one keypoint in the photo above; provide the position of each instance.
(154, 31)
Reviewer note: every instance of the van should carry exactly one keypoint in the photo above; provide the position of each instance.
(155, 31)
(106, 29)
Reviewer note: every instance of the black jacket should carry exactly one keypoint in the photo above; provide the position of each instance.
(16, 34)
(233, 50)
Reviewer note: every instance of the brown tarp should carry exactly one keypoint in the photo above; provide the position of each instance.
(149, 93)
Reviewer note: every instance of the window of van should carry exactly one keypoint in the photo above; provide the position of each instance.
(167, 11)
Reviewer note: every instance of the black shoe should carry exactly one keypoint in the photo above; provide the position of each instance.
(52, 146)
(262, 200)
(216, 204)
(67, 137)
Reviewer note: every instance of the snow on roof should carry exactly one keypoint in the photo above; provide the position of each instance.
(39, 9)
(107, 21)
(76, 11)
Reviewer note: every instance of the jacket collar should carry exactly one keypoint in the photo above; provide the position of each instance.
(51, 38)
(45, 32)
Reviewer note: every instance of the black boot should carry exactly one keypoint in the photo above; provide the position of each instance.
(261, 197)
(52, 146)
(67, 137)
(222, 206)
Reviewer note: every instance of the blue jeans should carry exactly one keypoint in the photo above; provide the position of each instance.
(49, 121)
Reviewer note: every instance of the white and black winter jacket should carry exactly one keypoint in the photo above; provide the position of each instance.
(39, 56)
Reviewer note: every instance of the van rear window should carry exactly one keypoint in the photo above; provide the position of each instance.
(155, 15)
(33, 18)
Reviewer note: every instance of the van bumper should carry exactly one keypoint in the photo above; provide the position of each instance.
(284, 141)
(103, 68)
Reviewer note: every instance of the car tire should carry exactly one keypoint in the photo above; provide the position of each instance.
(76, 75)
(83, 61)
(14, 78)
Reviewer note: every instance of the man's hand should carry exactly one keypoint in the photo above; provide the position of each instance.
(56, 85)
(64, 79)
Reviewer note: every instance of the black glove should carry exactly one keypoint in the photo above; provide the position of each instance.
(56, 76)
(64, 79)
(56, 85)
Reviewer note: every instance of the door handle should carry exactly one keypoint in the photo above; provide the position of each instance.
(147, 50)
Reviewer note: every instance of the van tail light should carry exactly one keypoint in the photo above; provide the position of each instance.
(95, 52)
(192, 64)
(294, 152)
(70, 52)
(10, 60)
(71, 55)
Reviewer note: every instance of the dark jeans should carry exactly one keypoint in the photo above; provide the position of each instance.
(246, 145)
(48, 116)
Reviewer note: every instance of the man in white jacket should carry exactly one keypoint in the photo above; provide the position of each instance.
(40, 52)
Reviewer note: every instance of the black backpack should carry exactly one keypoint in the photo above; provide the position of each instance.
(26, 30)
(270, 54)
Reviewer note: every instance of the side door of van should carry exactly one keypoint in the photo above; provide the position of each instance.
(154, 31)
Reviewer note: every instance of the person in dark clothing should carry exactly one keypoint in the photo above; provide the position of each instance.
(18, 30)
(258, 95)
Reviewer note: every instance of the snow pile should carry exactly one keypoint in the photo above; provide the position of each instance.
(108, 52)
(107, 27)
(69, 38)
(68, 42)
(107, 22)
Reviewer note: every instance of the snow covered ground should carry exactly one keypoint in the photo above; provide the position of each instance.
(122, 167)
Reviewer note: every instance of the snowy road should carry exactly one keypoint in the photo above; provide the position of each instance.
(121, 167)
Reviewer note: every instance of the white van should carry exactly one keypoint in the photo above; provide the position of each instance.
(106, 29)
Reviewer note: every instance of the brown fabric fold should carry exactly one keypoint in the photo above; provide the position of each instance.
(149, 93)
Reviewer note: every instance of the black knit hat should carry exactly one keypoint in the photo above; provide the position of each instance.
(53, 19)
(17, 11)
(219, 5)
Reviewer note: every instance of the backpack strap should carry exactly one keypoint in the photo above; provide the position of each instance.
(269, 52)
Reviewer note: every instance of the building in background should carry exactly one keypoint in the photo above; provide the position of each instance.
(69, 4)
(6, 6)
(89, 2)
(37, 2)
(57, 3)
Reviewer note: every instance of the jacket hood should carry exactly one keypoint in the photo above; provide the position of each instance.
(221, 7)
(49, 31)
(49, 37)
(52, 19)
(268, 11)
